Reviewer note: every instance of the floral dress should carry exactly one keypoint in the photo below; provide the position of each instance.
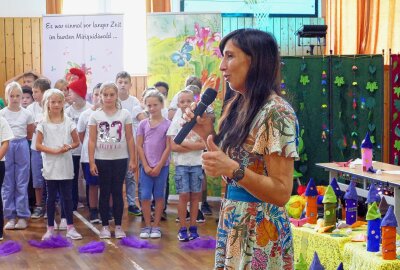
(253, 234)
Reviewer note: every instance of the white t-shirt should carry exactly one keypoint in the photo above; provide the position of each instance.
(37, 112)
(83, 126)
(18, 121)
(132, 104)
(74, 115)
(6, 133)
(111, 139)
(57, 167)
(192, 158)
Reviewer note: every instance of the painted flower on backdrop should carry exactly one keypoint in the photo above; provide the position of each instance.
(202, 53)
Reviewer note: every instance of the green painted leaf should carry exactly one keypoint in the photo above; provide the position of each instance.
(301, 106)
(339, 81)
(303, 66)
(304, 79)
(372, 86)
(372, 138)
(397, 91)
(371, 127)
(397, 104)
(397, 131)
(395, 115)
(372, 69)
(397, 145)
(395, 65)
(370, 103)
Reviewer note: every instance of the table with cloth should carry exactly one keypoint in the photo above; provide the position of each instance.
(334, 248)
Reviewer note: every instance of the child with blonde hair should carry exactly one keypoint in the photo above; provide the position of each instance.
(16, 180)
(56, 137)
(110, 145)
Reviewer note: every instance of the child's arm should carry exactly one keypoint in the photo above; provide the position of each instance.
(179, 148)
(29, 131)
(3, 149)
(194, 146)
(81, 136)
(164, 157)
(142, 156)
(42, 148)
(75, 140)
(131, 147)
(91, 148)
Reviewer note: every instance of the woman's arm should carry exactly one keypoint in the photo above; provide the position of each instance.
(275, 188)
(131, 147)
(91, 148)
(3, 149)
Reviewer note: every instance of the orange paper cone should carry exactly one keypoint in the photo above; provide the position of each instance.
(312, 209)
(388, 243)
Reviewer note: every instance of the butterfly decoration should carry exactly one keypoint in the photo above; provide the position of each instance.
(183, 55)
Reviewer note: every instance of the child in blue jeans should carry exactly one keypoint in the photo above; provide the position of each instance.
(154, 148)
(188, 171)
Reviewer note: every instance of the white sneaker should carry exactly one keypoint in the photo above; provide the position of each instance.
(119, 233)
(55, 226)
(10, 225)
(145, 232)
(105, 233)
(63, 225)
(21, 224)
(47, 235)
(155, 232)
(73, 234)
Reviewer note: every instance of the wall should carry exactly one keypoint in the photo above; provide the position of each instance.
(22, 8)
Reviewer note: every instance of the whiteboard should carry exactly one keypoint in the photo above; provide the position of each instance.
(93, 43)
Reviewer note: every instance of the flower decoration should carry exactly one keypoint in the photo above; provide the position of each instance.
(201, 51)
(354, 146)
(354, 68)
(339, 81)
(304, 80)
(283, 87)
(397, 91)
(362, 106)
(354, 83)
(372, 86)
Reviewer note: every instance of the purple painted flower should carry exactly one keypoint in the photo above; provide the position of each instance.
(259, 260)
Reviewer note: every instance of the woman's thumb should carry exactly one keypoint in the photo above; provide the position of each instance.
(211, 146)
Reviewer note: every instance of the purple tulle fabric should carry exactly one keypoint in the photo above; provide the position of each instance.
(9, 247)
(134, 242)
(92, 247)
(200, 243)
(54, 242)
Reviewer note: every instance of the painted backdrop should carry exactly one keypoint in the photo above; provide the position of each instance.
(180, 45)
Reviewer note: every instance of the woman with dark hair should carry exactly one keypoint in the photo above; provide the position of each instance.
(254, 152)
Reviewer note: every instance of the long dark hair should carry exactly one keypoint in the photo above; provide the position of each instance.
(262, 80)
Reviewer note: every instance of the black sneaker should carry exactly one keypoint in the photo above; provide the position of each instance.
(134, 210)
(94, 216)
(200, 217)
(187, 216)
(206, 209)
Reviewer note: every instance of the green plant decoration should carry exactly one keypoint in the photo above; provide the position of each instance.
(396, 78)
(395, 115)
(304, 80)
(397, 91)
(397, 145)
(370, 103)
(339, 81)
(371, 69)
(371, 127)
(397, 131)
(397, 105)
(394, 65)
(372, 138)
(354, 83)
(303, 66)
(372, 86)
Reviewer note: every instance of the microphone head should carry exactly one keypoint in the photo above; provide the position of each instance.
(208, 96)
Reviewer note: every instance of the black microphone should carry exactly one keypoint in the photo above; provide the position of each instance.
(206, 99)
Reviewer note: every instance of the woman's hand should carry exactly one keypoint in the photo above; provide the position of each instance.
(204, 125)
(216, 162)
(93, 169)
